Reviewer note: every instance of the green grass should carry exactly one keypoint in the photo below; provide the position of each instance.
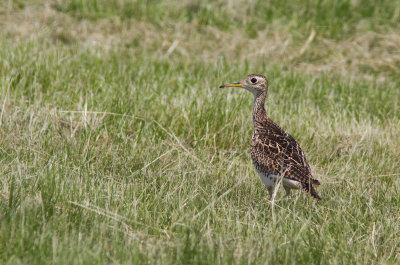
(333, 18)
(117, 146)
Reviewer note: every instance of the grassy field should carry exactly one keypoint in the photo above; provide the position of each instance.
(117, 146)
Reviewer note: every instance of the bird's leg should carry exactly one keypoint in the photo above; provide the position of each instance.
(287, 190)
(271, 191)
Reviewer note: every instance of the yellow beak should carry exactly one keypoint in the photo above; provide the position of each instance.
(232, 85)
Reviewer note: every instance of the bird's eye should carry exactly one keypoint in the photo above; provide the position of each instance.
(253, 80)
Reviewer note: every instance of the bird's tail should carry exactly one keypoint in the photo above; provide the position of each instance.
(315, 181)
(310, 189)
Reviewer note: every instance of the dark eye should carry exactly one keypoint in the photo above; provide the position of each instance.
(253, 80)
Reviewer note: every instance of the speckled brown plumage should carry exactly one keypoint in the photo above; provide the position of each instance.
(275, 154)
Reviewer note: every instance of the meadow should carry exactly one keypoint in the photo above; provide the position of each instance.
(118, 147)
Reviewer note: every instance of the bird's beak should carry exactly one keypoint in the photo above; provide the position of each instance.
(232, 85)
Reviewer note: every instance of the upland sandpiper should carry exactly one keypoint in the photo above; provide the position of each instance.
(276, 155)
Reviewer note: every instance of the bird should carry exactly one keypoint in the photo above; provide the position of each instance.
(277, 156)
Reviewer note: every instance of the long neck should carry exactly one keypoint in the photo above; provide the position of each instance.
(259, 113)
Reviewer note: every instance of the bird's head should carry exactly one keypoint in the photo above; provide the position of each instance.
(254, 83)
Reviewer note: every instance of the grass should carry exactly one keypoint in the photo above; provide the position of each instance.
(117, 146)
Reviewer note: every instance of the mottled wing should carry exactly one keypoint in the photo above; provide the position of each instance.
(275, 151)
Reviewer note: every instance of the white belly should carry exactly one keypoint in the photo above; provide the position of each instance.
(270, 180)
